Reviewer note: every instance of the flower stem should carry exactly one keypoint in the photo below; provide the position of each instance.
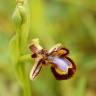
(21, 21)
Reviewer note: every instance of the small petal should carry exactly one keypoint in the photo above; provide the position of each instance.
(36, 69)
(58, 50)
(55, 48)
(33, 48)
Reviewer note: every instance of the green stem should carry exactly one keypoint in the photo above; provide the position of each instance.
(23, 79)
(21, 20)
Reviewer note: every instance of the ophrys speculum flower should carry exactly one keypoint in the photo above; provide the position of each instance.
(61, 65)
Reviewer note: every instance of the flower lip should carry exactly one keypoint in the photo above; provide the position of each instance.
(61, 63)
(66, 76)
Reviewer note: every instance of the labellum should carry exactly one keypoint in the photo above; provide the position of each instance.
(62, 66)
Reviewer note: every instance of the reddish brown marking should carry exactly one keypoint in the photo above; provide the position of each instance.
(34, 55)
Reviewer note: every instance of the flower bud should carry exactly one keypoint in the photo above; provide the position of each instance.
(19, 16)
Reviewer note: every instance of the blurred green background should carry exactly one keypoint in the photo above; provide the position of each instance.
(70, 22)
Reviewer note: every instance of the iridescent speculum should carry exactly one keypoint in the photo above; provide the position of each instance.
(62, 66)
